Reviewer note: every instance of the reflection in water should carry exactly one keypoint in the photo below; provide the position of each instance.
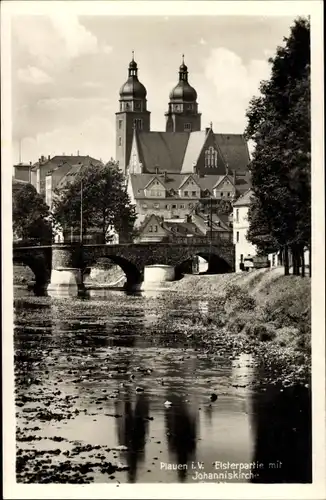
(132, 429)
(282, 421)
(181, 428)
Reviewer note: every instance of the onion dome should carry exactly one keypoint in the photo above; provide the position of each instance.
(183, 91)
(132, 88)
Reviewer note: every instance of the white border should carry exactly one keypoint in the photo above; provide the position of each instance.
(194, 8)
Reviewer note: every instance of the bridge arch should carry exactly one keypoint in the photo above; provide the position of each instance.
(39, 266)
(216, 263)
(131, 271)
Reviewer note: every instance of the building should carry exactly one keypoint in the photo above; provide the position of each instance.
(47, 172)
(155, 228)
(169, 172)
(22, 171)
(243, 248)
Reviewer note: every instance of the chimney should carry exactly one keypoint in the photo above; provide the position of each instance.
(157, 169)
(42, 158)
(207, 129)
(49, 157)
(194, 165)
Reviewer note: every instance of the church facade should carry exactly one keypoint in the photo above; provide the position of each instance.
(170, 173)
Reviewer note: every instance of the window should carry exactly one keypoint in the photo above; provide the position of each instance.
(156, 205)
(150, 229)
(138, 123)
(193, 193)
(155, 193)
(229, 194)
(144, 205)
(237, 215)
(174, 206)
(167, 207)
(187, 127)
(222, 194)
(186, 193)
(241, 257)
(210, 157)
(120, 124)
(182, 206)
(155, 229)
(120, 141)
(237, 236)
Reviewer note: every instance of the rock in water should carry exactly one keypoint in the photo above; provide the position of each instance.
(167, 404)
(213, 397)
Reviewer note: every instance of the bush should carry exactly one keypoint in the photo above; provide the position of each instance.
(238, 299)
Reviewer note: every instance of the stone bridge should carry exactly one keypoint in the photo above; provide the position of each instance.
(60, 262)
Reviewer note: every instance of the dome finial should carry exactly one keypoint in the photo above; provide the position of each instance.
(183, 58)
(133, 55)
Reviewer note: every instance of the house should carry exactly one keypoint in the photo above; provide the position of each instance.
(47, 172)
(22, 171)
(244, 249)
(193, 228)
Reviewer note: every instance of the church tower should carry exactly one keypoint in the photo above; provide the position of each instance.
(183, 115)
(132, 114)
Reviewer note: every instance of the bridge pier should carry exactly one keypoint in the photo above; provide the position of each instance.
(67, 271)
(156, 275)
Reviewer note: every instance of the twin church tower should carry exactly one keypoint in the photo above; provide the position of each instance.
(182, 114)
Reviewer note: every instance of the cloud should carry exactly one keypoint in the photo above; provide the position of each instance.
(34, 76)
(107, 49)
(53, 41)
(77, 39)
(92, 85)
(94, 136)
(234, 84)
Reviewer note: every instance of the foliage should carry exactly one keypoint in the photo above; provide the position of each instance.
(30, 214)
(105, 202)
(279, 124)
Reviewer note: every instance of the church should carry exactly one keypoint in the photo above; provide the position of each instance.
(170, 172)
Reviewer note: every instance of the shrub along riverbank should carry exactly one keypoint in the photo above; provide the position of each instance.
(262, 312)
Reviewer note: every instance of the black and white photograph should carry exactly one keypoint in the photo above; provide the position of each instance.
(163, 229)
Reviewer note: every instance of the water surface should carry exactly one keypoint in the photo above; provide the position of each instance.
(110, 389)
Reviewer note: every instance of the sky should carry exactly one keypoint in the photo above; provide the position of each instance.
(67, 71)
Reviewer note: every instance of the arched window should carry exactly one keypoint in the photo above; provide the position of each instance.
(210, 157)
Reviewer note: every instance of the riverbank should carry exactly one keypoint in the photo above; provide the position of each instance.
(262, 312)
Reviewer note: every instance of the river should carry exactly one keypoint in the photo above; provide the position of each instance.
(109, 390)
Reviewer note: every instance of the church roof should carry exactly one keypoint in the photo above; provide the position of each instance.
(163, 149)
(178, 151)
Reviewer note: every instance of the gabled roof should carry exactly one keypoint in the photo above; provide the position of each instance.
(173, 181)
(223, 177)
(244, 200)
(156, 177)
(187, 177)
(163, 149)
(59, 160)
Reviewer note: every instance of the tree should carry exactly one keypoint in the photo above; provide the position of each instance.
(105, 202)
(30, 214)
(279, 124)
